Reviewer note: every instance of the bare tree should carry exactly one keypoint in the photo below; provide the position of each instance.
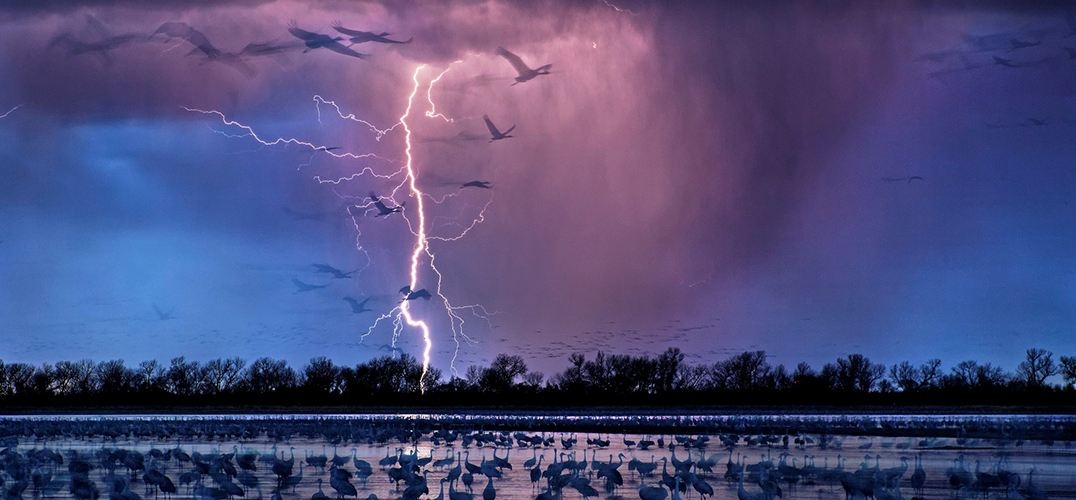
(267, 375)
(504, 372)
(533, 379)
(1068, 370)
(904, 376)
(181, 377)
(856, 373)
(322, 376)
(668, 365)
(741, 372)
(930, 374)
(221, 375)
(1038, 365)
(149, 377)
(965, 373)
(114, 378)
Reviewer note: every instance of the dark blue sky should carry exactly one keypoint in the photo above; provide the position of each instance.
(705, 176)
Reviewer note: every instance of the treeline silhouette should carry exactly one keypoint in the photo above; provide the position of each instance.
(619, 380)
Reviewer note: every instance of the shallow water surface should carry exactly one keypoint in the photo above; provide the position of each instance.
(801, 464)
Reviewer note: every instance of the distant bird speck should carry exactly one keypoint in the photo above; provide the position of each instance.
(161, 315)
(907, 179)
(1017, 44)
(477, 184)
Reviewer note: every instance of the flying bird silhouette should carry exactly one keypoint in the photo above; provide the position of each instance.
(1001, 61)
(525, 73)
(267, 48)
(421, 293)
(305, 287)
(318, 40)
(102, 47)
(382, 209)
(161, 315)
(497, 134)
(357, 36)
(356, 306)
(477, 184)
(178, 29)
(1017, 44)
(337, 273)
(907, 179)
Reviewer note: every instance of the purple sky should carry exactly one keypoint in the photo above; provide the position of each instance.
(709, 176)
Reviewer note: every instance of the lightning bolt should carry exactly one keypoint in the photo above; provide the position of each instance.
(432, 112)
(12, 110)
(421, 245)
(401, 315)
(378, 133)
(616, 8)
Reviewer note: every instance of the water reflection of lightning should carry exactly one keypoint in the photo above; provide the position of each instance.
(401, 314)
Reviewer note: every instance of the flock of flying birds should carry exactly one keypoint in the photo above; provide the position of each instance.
(102, 41)
(1006, 49)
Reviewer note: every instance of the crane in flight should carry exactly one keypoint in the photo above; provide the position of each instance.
(495, 134)
(421, 293)
(357, 36)
(305, 287)
(337, 273)
(477, 184)
(382, 209)
(318, 40)
(525, 72)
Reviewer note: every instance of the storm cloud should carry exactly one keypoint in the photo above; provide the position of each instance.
(703, 174)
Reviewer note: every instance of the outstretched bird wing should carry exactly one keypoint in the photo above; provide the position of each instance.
(160, 313)
(340, 49)
(302, 34)
(174, 29)
(201, 42)
(514, 60)
(350, 32)
(492, 128)
(98, 27)
(305, 286)
(325, 268)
